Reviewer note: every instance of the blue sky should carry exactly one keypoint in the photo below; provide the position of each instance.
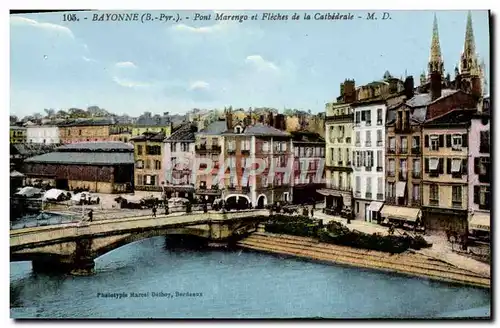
(130, 67)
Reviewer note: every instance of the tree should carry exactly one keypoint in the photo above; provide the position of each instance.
(49, 112)
(13, 119)
(61, 114)
(77, 113)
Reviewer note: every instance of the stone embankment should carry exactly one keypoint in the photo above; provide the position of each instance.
(408, 263)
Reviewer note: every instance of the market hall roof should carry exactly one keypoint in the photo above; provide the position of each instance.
(31, 149)
(88, 153)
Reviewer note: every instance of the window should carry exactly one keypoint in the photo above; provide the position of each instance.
(456, 196)
(264, 180)
(456, 142)
(379, 138)
(482, 197)
(379, 116)
(416, 193)
(380, 186)
(157, 165)
(368, 117)
(140, 180)
(392, 167)
(79, 132)
(153, 150)
(265, 146)
(416, 168)
(203, 141)
(380, 160)
(369, 158)
(404, 145)
(390, 190)
(484, 145)
(403, 169)
(139, 150)
(358, 159)
(368, 187)
(358, 117)
(358, 185)
(296, 151)
(139, 164)
(433, 194)
(392, 145)
(148, 164)
(358, 138)
(434, 142)
(368, 139)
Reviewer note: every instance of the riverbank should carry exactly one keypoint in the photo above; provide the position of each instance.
(408, 263)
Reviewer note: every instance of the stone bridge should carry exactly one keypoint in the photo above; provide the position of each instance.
(74, 247)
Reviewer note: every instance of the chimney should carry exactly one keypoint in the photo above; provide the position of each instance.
(342, 90)
(409, 86)
(261, 119)
(270, 119)
(229, 120)
(349, 91)
(435, 85)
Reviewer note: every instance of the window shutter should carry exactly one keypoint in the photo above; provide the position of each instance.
(476, 165)
(465, 140)
(476, 195)
(441, 140)
(426, 141)
(441, 165)
(448, 166)
(362, 115)
(448, 140)
(426, 165)
(464, 165)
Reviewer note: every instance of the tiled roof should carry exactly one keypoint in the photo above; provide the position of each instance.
(149, 136)
(215, 128)
(299, 136)
(153, 120)
(456, 116)
(185, 133)
(425, 99)
(260, 129)
(31, 149)
(88, 122)
(97, 146)
(88, 158)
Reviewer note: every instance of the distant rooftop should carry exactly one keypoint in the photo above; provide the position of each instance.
(88, 122)
(214, 128)
(84, 158)
(301, 136)
(97, 146)
(185, 132)
(425, 99)
(149, 136)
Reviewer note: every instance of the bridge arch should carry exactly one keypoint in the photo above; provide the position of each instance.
(261, 201)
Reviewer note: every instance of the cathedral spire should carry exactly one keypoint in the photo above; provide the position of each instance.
(435, 60)
(469, 63)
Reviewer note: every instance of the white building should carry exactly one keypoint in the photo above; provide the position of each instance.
(43, 134)
(369, 157)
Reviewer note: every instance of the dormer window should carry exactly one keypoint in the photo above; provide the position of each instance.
(238, 129)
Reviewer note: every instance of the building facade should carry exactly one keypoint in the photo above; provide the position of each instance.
(148, 123)
(17, 134)
(209, 143)
(120, 132)
(179, 161)
(44, 134)
(445, 185)
(148, 157)
(308, 167)
(84, 130)
(104, 167)
(480, 174)
(339, 130)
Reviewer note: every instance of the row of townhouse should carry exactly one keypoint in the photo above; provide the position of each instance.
(396, 151)
(86, 130)
(215, 162)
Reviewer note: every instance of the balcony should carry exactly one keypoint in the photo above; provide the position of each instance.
(245, 152)
(379, 143)
(379, 169)
(456, 175)
(368, 144)
(368, 195)
(403, 150)
(416, 175)
(434, 202)
(343, 117)
(415, 150)
(456, 204)
(216, 148)
(200, 147)
(402, 128)
(391, 150)
(380, 196)
(246, 189)
(368, 168)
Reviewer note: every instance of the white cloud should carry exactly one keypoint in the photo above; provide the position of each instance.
(125, 65)
(18, 20)
(87, 59)
(128, 83)
(261, 64)
(199, 85)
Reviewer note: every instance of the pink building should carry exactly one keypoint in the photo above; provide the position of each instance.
(479, 196)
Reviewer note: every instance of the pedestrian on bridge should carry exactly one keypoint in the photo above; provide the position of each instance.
(312, 212)
(91, 215)
(154, 211)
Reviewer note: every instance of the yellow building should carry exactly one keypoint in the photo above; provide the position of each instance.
(445, 186)
(120, 132)
(149, 173)
(17, 134)
(85, 130)
(147, 123)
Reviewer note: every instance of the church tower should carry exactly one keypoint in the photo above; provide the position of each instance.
(470, 70)
(436, 64)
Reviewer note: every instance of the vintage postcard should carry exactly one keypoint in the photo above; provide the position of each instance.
(177, 164)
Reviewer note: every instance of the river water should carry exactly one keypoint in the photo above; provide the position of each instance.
(184, 283)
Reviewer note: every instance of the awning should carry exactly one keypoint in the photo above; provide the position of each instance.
(455, 165)
(480, 221)
(400, 212)
(400, 188)
(375, 206)
(329, 192)
(433, 163)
